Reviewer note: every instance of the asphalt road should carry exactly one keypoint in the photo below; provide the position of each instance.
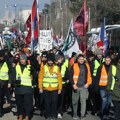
(36, 116)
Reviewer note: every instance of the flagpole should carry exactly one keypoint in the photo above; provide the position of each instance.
(32, 30)
(32, 34)
(38, 20)
(85, 42)
(84, 27)
(71, 24)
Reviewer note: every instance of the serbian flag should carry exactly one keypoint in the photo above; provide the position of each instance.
(34, 25)
(103, 39)
(81, 21)
(34, 20)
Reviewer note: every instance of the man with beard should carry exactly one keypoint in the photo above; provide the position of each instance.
(80, 78)
(50, 84)
(5, 84)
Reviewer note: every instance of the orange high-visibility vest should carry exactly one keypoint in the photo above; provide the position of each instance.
(72, 61)
(77, 73)
(104, 77)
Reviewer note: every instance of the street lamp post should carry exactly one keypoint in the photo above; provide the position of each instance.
(15, 5)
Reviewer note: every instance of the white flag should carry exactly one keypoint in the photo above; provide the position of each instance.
(71, 44)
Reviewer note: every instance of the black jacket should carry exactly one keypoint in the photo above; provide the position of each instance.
(20, 89)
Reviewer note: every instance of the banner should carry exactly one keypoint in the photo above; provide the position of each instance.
(45, 40)
(71, 44)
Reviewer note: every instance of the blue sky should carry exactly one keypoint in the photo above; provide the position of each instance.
(24, 4)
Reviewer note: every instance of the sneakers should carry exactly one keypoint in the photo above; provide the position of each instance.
(59, 116)
(82, 118)
(94, 113)
(75, 118)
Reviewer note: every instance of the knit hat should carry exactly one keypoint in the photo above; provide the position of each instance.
(23, 56)
(99, 52)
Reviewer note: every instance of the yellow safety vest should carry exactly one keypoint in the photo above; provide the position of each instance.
(4, 72)
(63, 69)
(50, 79)
(97, 64)
(25, 76)
(113, 75)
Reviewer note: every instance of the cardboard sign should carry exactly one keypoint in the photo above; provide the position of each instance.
(45, 40)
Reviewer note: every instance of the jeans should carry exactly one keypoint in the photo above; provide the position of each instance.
(106, 100)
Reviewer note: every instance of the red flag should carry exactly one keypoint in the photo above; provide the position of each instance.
(34, 19)
(81, 21)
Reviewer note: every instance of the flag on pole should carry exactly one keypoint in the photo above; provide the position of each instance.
(103, 39)
(28, 27)
(34, 25)
(81, 21)
(35, 19)
(71, 44)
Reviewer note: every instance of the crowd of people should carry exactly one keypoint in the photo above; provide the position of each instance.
(54, 83)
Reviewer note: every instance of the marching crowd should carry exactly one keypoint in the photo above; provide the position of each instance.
(54, 83)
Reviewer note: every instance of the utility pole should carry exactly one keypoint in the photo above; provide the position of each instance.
(46, 20)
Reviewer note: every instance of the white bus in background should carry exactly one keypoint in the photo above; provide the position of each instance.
(113, 34)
